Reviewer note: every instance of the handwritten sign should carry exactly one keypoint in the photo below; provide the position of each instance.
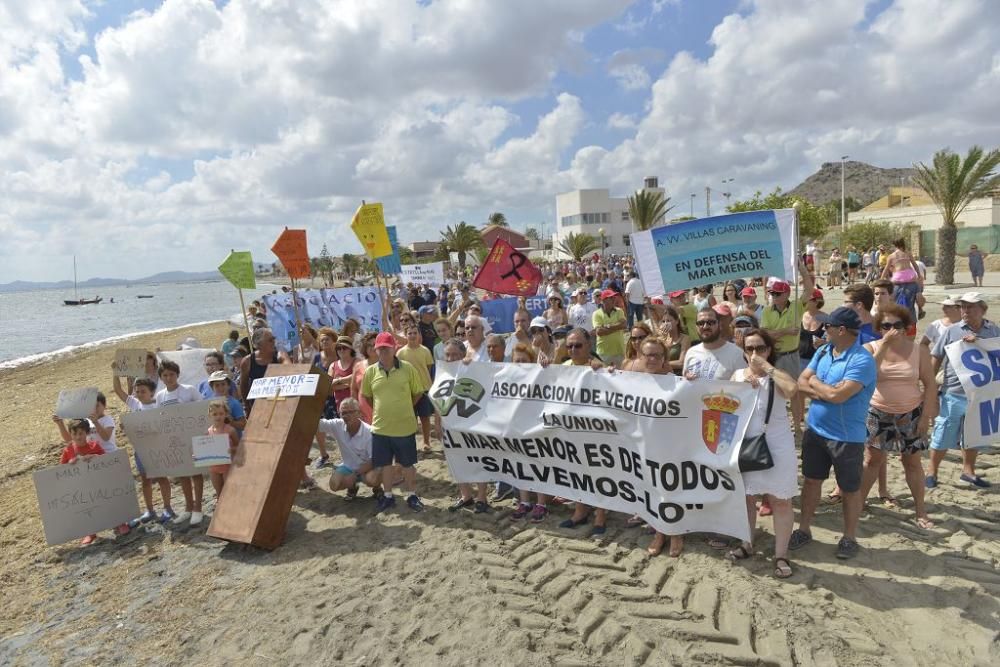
(162, 437)
(293, 252)
(130, 362)
(368, 225)
(977, 366)
(86, 497)
(192, 363)
(290, 385)
(422, 274)
(210, 450)
(76, 403)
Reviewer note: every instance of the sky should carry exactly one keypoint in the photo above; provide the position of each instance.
(153, 136)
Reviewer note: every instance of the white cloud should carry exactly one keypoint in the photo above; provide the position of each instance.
(621, 121)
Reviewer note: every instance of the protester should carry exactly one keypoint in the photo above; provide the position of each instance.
(327, 357)
(78, 448)
(341, 372)
(703, 297)
(218, 413)
(976, 265)
(308, 348)
(475, 339)
(778, 484)
(714, 358)
(354, 439)
(495, 347)
(730, 296)
(840, 380)
(220, 385)
(861, 299)
(522, 324)
(581, 313)
(444, 330)
(428, 333)
(173, 393)
(541, 340)
(254, 366)
(952, 314)
(555, 313)
(782, 320)
(152, 372)
(455, 351)
(638, 333)
(229, 346)
(749, 305)
(635, 299)
(609, 325)
(951, 415)
(420, 358)
(689, 314)
(393, 387)
(900, 413)
(741, 325)
(369, 358)
(811, 333)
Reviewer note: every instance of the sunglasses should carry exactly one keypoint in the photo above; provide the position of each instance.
(707, 323)
(637, 339)
(760, 349)
(775, 293)
(574, 346)
(829, 326)
(898, 325)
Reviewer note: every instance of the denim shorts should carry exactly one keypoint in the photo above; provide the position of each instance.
(949, 425)
(389, 448)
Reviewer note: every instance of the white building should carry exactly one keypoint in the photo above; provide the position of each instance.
(912, 206)
(591, 211)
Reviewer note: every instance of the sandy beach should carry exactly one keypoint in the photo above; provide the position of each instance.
(447, 588)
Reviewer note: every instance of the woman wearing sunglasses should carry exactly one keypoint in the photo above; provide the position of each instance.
(901, 411)
(778, 484)
(640, 331)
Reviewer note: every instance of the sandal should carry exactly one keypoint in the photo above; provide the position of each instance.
(634, 521)
(888, 501)
(799, 539)
(833, 499)
(782, 568)
(739, 553)
(924, 523)
(718, 542)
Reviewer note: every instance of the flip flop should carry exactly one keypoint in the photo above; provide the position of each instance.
(833, 499)
(635, 521)
(782, 572)
(739, 553)
(888, 501)
(926, 524)
(718, 542)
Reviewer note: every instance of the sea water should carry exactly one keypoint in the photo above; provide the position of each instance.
(36, 325)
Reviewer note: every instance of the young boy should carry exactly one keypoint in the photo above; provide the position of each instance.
(103, 425)
(221, 385)
(79, 448)
(172, 393)
(418, 356)
(144, 389)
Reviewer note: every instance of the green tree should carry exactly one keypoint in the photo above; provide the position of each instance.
(647, 208)
(532, 233)
(480, 254)
(850, 203)
(814, 221)
(952, 183)
(868, 234)
(350, 263)
(326, 265)
(497, 218)
(578, 246)
(463, 239)
(405, 255)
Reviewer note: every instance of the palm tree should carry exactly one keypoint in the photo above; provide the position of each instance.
(350, 263)
(497, 218)
(952, 183)
(462, 239)
(647, 208)
(578, 246)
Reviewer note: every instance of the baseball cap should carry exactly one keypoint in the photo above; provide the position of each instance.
(744, 320)
(427, 310)
(656, 300)
(949, 300)
(972, 297)
(677, 293)
(562, 331)
(539, 323)
(779, 286)
(817, 293)
(844, 317)
(722, 309)
(240, 352)
(218, 376)
(748, 291)
(385, 339)
(609, 294)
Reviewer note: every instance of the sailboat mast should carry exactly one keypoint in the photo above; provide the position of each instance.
(75, 295)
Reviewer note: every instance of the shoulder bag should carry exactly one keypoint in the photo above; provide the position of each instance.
(754, 453)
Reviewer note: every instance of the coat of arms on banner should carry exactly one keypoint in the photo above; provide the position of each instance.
(719, 421)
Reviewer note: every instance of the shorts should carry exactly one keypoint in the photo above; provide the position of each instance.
(852, 265)
(847, 459)
(789, 362)
(895, 433)
(347, 471)
(423, 407)
(219, 469)
(330, 408)
(950, 423)
(399, 448)
(138, 464)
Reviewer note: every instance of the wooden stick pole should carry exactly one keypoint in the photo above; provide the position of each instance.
(246, 322)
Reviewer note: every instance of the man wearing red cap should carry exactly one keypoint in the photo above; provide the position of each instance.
(782, 320)
(679, 300)
(609, 325)
(393, 388)
(748, 304)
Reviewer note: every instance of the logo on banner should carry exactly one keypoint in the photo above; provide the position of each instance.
(461, 395)
(719, 421)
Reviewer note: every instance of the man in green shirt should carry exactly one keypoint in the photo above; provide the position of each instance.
(609, 325)
(782, 319)
(393, 388)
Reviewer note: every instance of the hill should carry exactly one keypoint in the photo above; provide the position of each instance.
(166, 277)
(863, 182)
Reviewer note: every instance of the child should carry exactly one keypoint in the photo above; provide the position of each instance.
(79, 448)
(221, 385)
(420, 358)
(172, 393)
(218, 412)
(142, 399)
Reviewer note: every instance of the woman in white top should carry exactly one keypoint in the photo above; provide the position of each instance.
(779, 484)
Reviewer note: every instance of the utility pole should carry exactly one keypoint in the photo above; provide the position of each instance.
(692, 204)
(843, 208)
(727, 194)
(708, 202)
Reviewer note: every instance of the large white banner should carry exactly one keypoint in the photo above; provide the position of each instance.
(653, 445)
(978, 368)
(423, 274)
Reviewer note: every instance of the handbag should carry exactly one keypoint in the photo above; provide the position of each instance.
(754, 452)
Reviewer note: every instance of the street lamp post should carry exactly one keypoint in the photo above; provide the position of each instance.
(693, 195)
(727, 194)
(601, 232)
(843, 208)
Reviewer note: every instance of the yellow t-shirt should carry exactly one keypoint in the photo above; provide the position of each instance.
(391, 396)
(790, 317)
(421, 359)
(612, 345)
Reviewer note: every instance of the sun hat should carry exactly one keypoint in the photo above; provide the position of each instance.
(972, 297)
(385, 339)
(949, 300)
(539, 323)
(218, 376)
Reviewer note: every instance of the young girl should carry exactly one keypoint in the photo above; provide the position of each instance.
(218, 412)
(79, 448)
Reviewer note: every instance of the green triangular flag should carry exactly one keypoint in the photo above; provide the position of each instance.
(238, 269)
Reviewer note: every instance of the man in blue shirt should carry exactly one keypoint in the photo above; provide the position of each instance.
(840, 380)
(950, 421)
(860, 299)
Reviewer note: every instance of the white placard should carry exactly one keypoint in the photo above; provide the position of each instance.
(192, 363)
(977, 366)
(77, 403)
(290, 385)
(420, 274)
(210, 450)
(162, 437)
(130, 363)
(83, 498)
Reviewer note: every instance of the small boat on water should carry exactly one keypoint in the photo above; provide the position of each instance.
(77, 301)
(144, 296)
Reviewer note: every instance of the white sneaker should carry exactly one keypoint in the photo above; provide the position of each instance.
(181, 518)
(196, 518)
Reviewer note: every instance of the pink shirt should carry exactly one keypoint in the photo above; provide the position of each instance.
(897, 389)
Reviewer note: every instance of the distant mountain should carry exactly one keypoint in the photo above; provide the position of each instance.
(864, 182)
(93, 283)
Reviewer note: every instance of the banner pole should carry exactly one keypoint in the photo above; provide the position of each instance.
(246, 322)
(795, 245)
(295, 305)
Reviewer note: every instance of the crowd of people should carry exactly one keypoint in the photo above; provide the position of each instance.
(851, 386)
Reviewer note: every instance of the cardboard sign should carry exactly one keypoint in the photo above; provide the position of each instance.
(293, 253)
(86, 497)
(290, 385)
(162, 437)
(238, 269)
(130, 362)
(423, 274)
(192, 363)
(368, 224)
(210, 450)
(76, 403)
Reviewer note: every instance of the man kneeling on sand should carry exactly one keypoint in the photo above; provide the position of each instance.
(354, 438)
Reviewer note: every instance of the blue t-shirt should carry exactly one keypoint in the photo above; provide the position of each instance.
(844, 422)
(866, 333)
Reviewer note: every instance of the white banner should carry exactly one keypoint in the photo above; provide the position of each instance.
(162, 437)
(290, 385)
(419, 274)
(86, 497)
(191, 362)
(978, 368)
(653, 445)
(77, 403)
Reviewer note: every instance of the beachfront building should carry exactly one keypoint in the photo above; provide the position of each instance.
(424, 249)
(590, 211)
(979, 222)
(491, 233)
